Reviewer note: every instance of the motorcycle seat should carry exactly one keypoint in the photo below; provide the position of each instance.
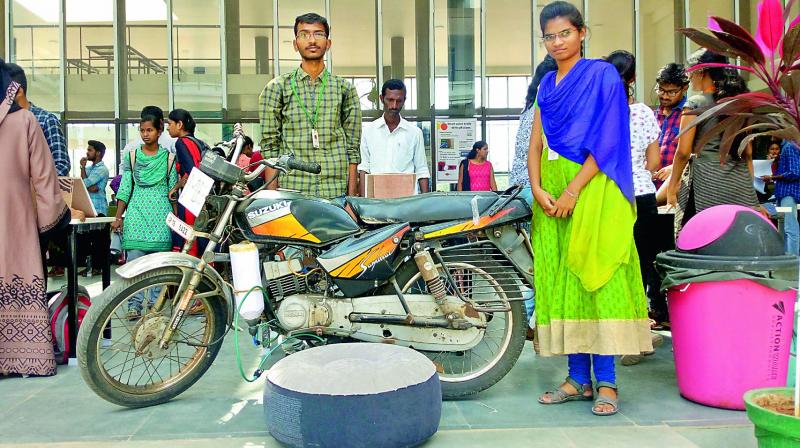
(428, 207)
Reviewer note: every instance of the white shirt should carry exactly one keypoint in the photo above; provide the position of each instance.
(400, 151)
(644, 130)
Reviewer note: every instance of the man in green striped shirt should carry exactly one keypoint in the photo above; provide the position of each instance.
(315, 115)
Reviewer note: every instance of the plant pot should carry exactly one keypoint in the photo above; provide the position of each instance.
(773, 429)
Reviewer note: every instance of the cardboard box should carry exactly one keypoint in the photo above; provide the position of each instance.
(389, 185)
(76, 195)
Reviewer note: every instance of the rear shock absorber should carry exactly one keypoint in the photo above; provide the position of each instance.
(431, 276)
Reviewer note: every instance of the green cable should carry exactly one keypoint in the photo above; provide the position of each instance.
(258, 371)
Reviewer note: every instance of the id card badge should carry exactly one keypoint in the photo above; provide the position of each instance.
(551, 155)
(315, 138)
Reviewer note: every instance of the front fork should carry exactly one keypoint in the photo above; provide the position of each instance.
(197, 275)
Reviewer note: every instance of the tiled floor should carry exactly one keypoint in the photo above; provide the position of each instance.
(221, 410)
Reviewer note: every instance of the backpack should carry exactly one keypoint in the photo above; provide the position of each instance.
(58, 310)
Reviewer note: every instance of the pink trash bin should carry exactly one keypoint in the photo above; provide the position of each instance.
(732, 315)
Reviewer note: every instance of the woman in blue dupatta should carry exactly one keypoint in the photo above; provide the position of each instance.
(590, 302)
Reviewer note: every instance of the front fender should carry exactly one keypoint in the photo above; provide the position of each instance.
(178, 260)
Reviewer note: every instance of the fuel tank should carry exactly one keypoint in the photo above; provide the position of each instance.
(286, 217)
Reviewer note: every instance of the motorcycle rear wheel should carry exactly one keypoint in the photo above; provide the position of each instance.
(108, 339)
(510, 339)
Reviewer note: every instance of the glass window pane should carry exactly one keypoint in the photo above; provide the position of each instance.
(457, 55)
(288, 10)
(500, 135)
(197, 76)
(79, 134)
(610, 26)
(147, 42)
(35, 47)
(517, 90)
(658, 43)
(401, 40)
(90, 59)
(250, 58)
(508, 51)
(353, 35)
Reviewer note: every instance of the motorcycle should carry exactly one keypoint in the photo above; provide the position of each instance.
(441, 273)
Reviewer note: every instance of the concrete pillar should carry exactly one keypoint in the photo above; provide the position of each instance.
(121, 49)
(262, 55)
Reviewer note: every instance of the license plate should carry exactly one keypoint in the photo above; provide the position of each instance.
(194, 193)
(180, 227)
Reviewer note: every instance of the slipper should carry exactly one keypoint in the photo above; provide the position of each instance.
(559, 396)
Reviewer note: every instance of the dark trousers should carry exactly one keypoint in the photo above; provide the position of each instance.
(95, 244)
(648, 238)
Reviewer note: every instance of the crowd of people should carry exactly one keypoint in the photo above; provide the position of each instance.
(594, 164)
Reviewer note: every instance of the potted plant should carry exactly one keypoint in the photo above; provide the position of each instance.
(773, 56)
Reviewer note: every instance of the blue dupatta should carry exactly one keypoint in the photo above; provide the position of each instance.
(587, 113)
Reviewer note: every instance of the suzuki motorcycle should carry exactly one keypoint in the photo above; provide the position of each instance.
(441, 273)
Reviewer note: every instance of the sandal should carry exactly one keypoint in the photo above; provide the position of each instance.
(559, 396)
(613, 402)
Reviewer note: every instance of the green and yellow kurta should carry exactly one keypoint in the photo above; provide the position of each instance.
(589, 293)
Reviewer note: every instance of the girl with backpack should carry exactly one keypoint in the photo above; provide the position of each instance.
(143, 199)
(189, 152)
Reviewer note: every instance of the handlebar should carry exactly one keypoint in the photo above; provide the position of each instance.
(300, 165)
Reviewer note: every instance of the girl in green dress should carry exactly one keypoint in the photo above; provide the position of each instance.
(143, 199)
(590, 303)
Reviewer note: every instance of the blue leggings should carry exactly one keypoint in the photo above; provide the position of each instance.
(580, 368)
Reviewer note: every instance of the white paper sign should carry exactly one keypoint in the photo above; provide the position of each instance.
(454, 140)
(180, 227)
(195, 191)
(761, 168)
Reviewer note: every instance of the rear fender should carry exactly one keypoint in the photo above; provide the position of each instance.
(183, 262)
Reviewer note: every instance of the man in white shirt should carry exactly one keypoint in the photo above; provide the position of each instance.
(391, 144)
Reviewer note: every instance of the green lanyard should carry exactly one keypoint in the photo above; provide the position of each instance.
(311, 118)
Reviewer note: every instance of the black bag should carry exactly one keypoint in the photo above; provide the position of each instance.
(465, 175)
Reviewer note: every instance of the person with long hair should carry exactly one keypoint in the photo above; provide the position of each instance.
(143, 202)
(32, 209)
(590, 302)
(706, 176)
(475, 172)
(519, 167)
(188, 153)
(645, 158)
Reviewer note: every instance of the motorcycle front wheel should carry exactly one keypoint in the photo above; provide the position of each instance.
(118, 349)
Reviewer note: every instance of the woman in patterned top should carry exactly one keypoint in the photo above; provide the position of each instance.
(645, 157)
(143, 199)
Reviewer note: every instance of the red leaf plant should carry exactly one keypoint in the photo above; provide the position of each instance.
(773, 56)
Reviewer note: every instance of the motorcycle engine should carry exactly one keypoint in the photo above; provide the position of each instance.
(282, 279)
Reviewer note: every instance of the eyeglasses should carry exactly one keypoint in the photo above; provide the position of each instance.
(672, 92)
(316, 35)
(563, 34)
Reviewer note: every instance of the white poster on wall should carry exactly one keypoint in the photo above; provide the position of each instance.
(454, 140)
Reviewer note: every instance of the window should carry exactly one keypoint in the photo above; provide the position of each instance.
(90, 60)
(250, 56)
(35, 46)
(406, 54)
(700, 10)
(508, 52)
(197, 77)
(457, 56)
(78, 136)
(145, 61)
(354, 50)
